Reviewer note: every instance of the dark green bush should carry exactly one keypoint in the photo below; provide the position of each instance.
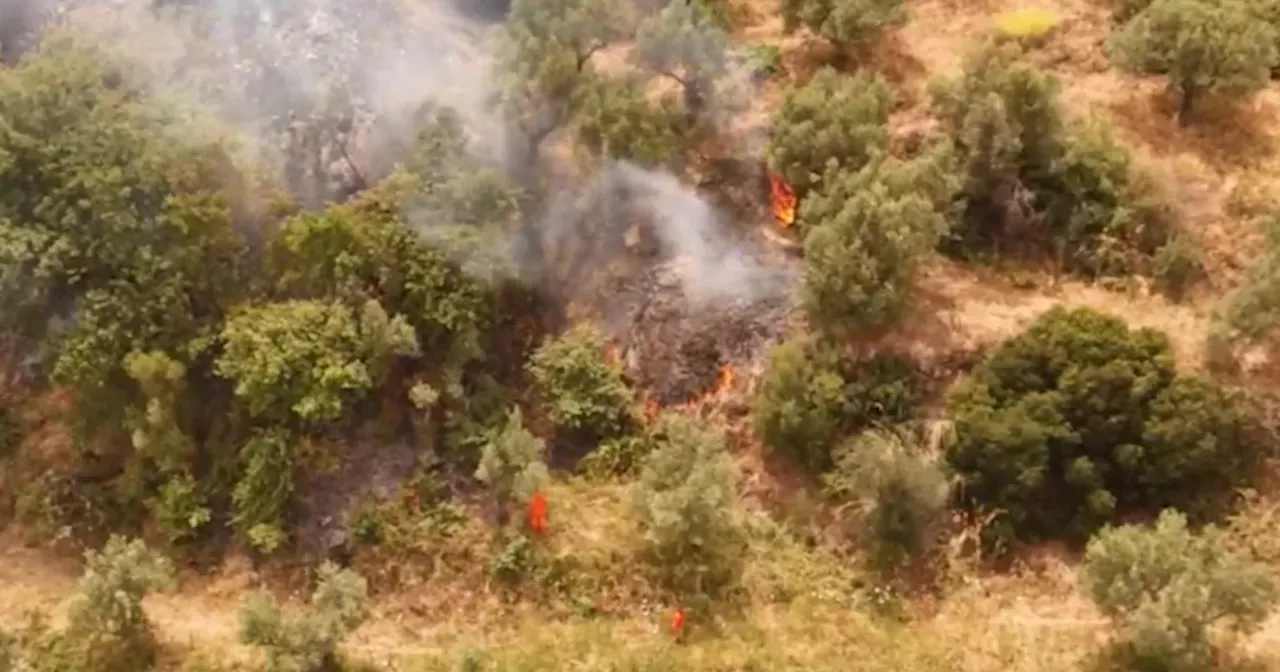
(851, 25)
(1080, 419)
(834, 121)
(583, 389)
(1177, 266)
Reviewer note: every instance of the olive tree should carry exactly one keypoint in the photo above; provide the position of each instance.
(1204, 47)
(849, 24)
(685, 43)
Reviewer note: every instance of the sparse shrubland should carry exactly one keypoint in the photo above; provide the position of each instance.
(1167, 586)
(1080, 420)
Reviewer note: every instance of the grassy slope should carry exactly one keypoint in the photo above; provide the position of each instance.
(803, 609)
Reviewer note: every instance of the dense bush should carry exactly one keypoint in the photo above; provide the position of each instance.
(901, 494)
(809, 398)
(512, 465)
(685, 499)
(1167, 587)
(1204, 47)
(310, 359)
(615, 120)
(1080, 419)
(832, 122)
(866, 234)
(308, 642)
(1031, 185)
(265, 489)
(851, 25)
(1251, 312)
(106, 628)
(583, 388)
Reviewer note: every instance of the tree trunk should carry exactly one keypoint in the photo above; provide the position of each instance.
(1186, 102)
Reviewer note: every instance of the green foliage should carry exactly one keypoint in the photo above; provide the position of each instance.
(308, 642)
(512, 463)
(851, 25)
(1204, 47)
(809, 398)
(762, 61)
(263, 493)
(1252, 311)
(615, 120)
(1123, 10)
(310, 359)
(583, 389)
(1032, 186)
(1080, 419)
(865, 236)
(106, 628)
(615, 457)
(832, 122)
(799, 409)
(179, 508)
(686, 43)
(901, 494)
(542, 57)
(1167, 587)
(685, 499)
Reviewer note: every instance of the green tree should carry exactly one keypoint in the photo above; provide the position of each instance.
(849, 24)
(1084, 413)
(543, 55)
(1167, 587)
(264, 491)
(309, 359)
(685, 43)
(615, 120)
(308, 642)
(1204, 47)
(685, 499)
(512, 463)
(833, 121)
(583, 389)
(865, 237)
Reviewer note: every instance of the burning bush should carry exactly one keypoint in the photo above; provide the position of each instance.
(1080, 419)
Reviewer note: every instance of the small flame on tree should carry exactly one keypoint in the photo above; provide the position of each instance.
(725, 383)
(782, 200)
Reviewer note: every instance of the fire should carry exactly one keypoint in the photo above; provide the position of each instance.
(726, 379)
(615, 355)
(782, 200)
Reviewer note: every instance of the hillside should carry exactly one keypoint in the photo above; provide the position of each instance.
(488, 344)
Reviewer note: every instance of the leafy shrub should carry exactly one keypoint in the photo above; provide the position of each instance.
(833, 121)
(762, 61)
(901, 493)
(106, 628)
(1167, 587)
(619, 456)
(1178, 265)
(179, 508)
(1204, 47)
(511, 464)
(583, 389)
(1251, 311)
(685, 499)
(265, 488)
(308, 642)
(1033, 186)
(849, 24)
(309, 359)
(1079, 419)
(1028, 25)
(809, 398)
(865, 237)
(799, 409)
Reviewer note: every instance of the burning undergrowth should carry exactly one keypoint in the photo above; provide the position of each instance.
(687, 295)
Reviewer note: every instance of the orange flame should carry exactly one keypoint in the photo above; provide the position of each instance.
(538, 513)
(782, 200)
(725, 383)
(615, 355)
